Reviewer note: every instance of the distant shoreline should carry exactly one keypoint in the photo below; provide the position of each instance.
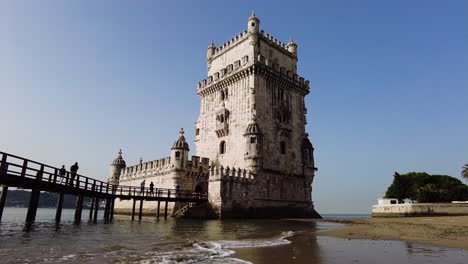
(446, 231)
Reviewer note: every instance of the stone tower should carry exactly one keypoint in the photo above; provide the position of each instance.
(252, 127)
(116, 168)
(180, 151)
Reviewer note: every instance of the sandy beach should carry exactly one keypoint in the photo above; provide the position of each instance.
(440, 231)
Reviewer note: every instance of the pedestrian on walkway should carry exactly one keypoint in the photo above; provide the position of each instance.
(73, 171)
(152, 189)
(142, 185)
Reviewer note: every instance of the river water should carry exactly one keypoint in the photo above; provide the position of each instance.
(197, 241)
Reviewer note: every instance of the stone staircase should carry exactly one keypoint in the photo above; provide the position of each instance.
(195, 210)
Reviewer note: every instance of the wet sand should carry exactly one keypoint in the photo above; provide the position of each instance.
(450, 231)
(307, 248)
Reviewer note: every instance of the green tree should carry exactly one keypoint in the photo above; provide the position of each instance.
(427, 188)
(465, 172)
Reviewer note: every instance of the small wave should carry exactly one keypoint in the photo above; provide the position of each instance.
(232, 244)
(213, 252)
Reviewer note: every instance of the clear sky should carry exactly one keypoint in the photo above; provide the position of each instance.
(389, 83)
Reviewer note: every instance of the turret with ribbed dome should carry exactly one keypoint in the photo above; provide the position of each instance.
(254, 144)
(180, 151)
(115, 168)
(253, 23)
(210, 52)
(180, 143)
(307, 152)
(292, 47)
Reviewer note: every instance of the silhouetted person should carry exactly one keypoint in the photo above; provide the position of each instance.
(152, 189)
(177, 189)
(63, 174)
(73, 170)
(142, 185)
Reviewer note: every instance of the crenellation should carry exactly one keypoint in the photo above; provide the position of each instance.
(234, 40)
(220, 173)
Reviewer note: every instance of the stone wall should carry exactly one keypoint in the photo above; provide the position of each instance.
(423, 209)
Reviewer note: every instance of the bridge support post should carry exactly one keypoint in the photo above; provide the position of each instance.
(165, 206)
(133, 209)
(157, 210)
(96, 209)
(111, 211)
(165, 211)
(33, 203)
(34, 199)
(91, 209)
(140, 213)
(106, 210)
(78, 208)
(3, 195)
(58, 212)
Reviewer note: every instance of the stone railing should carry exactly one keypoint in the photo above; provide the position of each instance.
(231, 174)
(146, 168)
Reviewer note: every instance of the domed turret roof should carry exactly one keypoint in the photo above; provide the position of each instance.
(253, 17)
(180, 143)
(252, 129)
(119, 161)
(291, 42)
(212, 45)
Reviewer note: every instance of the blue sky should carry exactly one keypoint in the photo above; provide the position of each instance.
(389, 83)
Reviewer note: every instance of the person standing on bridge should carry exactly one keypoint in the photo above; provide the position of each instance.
(62, 174)
(142, 185)
(73, 170)
(152, 189)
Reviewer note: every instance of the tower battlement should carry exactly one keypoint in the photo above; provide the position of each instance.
(231, 174)
(231, 73)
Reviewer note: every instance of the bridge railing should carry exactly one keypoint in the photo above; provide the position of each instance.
(21, 167)
(134, 191)
(26, 168)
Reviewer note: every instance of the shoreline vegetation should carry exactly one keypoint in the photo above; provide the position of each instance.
(445, 231)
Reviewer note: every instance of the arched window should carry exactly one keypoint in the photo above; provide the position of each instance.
(283, 147)
(222, 147)
(222, 96)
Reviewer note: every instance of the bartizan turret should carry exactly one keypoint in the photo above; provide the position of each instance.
(180, 151)
(254, 145)
(307, 154)
(116, 168)
(210, 53)
(292, 47)
(253, 26)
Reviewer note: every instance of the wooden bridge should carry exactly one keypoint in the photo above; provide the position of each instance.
(28, 174)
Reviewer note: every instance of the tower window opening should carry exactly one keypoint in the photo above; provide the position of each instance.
(222, 147)
(222, 96)
(253, 140)
(177, 154)
(253, 24)
(283, 148)
(197, 132)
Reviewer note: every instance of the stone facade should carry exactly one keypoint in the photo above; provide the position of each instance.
(251, 127)
(178, 169)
